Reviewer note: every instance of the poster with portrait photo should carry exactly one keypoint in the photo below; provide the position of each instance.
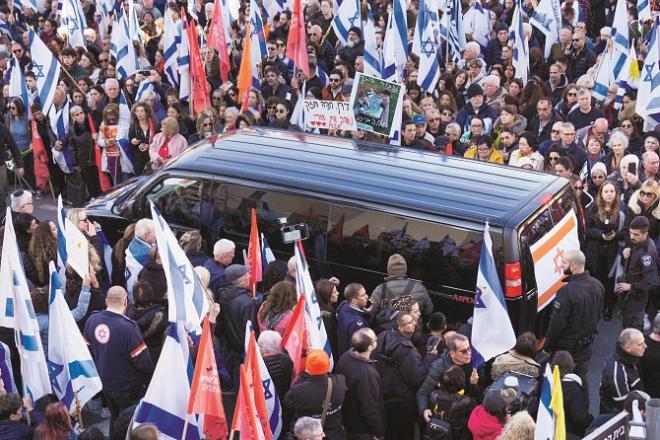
(375, 103)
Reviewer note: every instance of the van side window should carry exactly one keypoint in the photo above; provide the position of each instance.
(437, 254)
(179, 200)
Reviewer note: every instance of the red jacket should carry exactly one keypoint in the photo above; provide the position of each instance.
(483, 426)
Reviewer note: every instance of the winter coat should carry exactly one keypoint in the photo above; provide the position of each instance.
(576, 405)
(153, 323)
(238, 307)
(485, 113)
(280, 368)
(512, 361)
(580, 62)
(556, 92)
(15, 430)
(636, 208)
(306, 396)
(364, 408)
(519, 125)
(197, 258)
(400, 366)
(81, 142)
(620, 376)
(331, 324)
(176, 146)
(483, 426)
(349, 320)
(596, 247)
(154, 274)
(277, 323)
(396, 286)
(496, 155)
(535, 157)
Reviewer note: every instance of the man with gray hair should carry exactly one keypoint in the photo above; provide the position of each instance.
(308, 428)
(223, 254)
(576, 311)
(138, 253)
(277, 362)
(620, 372)
(650, 166)
(493, 93)
(585, 113)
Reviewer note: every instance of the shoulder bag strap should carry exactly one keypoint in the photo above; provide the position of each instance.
(326, 402)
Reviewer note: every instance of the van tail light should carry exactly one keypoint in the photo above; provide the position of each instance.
(512, 280)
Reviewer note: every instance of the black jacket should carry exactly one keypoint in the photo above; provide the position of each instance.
(400, 366)
(598, 251)
(544, 135)
(8, 145)
(280, 368)
(580, 62)
(153, 323)
(237, 309)
(154, 274)
(79, 139)
(306, 396)
(576, 405)
(364, 408)
(575, 314)
(620, 376)
(15, 430)
(641, 269)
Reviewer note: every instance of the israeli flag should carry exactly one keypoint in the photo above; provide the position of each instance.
(389, 71)
(73, 23)
(425, 45)
(137, 255)
(373, 56)
(103, 19)
(72, 369)
(477, 24)
(4, 28)
(323, 76)
(6, 369)
(648, 95)
(318, 338)
(134, 24)
(185, 295)
(400, 28)
(59, 123)
(184, 62)
(346, 17)
(46, 70)
(32, 4)
(520, 45)
(171, 41)
(144, 88)
(166, 400)
(17, 85)
(605, 75)
(272, 8)
(267, 255)
(270, 393)
(547, 19)
(644, 10)
(489, 308)
(545, 422)
(110, 164)
(62, 256)
(17, 312)
(452, 29)
(258, 49)
(121, 46)
(620, 39)
(628, 77)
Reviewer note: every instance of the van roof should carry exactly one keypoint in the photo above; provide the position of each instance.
(369, 172)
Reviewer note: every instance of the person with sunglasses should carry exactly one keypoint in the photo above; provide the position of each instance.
(597, 176)
(645, 202)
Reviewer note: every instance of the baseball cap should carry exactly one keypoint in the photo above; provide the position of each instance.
(235, 271)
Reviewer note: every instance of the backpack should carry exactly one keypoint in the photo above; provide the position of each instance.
(437, 429)
(385, 317)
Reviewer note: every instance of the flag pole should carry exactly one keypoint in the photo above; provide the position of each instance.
(78, 411)
(185, 427)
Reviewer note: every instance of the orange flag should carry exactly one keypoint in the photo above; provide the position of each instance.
(200, 87)
(104, 179)
(244, 82)
(205, 391)
(41, 171)
(295, 338)
(217, 40)
(252, 369)
(245, 415)
(296, 47)
(254, 254)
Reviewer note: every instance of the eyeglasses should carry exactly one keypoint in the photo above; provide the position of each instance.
(646, 194)
(578, 188)
(103, 60)
(553, 158)
(556, 131)
(332, 80)
(446, 113)
(280, 110)
(216, 98)
(12, 107)
(17, 50)
(280, 44)
(464, 351)
(207, 124)
(576, 40)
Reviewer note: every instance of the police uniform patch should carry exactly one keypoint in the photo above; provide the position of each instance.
(102, 333)
(647, 260)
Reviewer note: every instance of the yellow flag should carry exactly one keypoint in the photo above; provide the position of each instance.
(557, 405)
(634, 66)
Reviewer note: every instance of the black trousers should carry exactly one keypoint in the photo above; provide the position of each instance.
(400, 420)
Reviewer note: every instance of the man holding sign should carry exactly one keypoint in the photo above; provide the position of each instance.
(576, 312)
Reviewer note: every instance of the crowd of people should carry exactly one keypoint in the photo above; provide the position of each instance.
(398, 365)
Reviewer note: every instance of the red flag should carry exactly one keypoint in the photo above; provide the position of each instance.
(295, 338)
(254, 254)
(205, 391)
(252, 369)
(296, 47)
(200, 86)
(245, 414)
(41, 171)
(216, 40)
(104, 179)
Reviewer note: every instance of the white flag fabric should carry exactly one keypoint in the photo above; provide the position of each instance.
(121, 46)
(547, 19)
(136, 256)
(644, 10)
(318, 337)
(425, 45)
(77, 248)
(489, 308)
(605, 75)
(72, 369)
(346, 17)
(476, 22)
(390, 71)
(185, 295)
(171, 41)
(373, 56)
(520, 58)
(17, 312)
(73, 22)
(620, 39)
(17, 85)
(183, 58)
(46, 70)
(258, 49)
(452, 29)
(648, 96)
(545, 424)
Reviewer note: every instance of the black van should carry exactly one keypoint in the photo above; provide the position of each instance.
(362, 202)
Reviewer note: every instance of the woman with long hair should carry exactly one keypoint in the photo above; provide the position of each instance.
(630, 127)
(42, 250)
(141, 133)
(327, 295)
(78, 216)
(56, 425)
(18, 124)
(186, 124)
(645, 201)
(459, 81)
(150, 315)
(88, 63)
(118, 257)
(515, 89)
(605, 223)
(83, 152)
(568, 100)
(276, 311)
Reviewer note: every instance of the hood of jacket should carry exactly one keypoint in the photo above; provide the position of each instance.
(231, 292)
(635, 205)
(483, 425)
(519, 124)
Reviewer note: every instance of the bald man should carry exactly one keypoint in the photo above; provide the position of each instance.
(576, 311)
(121, 356)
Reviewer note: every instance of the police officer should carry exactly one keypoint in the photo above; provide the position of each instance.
(121, 356)
(641, 273)
(576, 312)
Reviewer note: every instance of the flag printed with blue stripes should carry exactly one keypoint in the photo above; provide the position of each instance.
(258, 49)
(605, 75)
(144, 88)
(476, 22)
(183, 58)
(6, 370)
(545, 423)
(134, 23)
(32, 4)
(111, 164)
(267, 255)
(121, 46)
(452, 29)
(102, 17)
(644, 10)
(171, 40)
(620, 38)
(72, 369)
(17, 84)
(426, 47)
(400, 28)
(489, 307)
(46, 70)
(4, 28)
(59, 123)
(389, 71)
(346, 17)
(73, 23)
(648, 96)
(62, 255)
(318, 337)
(547, 19)
(373, 56)
(137, 255)
(520, 58)
(17, 312)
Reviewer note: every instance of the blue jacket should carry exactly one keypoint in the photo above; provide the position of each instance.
(349, 321)
(218, 279)
(485, 113)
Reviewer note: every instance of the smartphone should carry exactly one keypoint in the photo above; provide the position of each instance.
(632, 168)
